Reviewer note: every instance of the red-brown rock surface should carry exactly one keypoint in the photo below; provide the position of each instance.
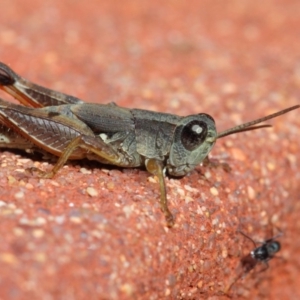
(95, 232)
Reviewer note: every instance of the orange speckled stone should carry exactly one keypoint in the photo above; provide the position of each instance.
(96, 232)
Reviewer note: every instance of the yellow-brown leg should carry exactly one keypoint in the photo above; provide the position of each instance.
(90, 144)
(61, 161)
(155, 167)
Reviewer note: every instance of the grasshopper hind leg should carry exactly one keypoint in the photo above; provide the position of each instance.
(29, 93)
(88, 144)
(58, 135)
(61, 161)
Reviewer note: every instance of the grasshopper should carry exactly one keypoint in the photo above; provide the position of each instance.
(69, 128)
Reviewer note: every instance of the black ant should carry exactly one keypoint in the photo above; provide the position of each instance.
(260, 254)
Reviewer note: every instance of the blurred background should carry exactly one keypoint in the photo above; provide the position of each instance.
(236, 60)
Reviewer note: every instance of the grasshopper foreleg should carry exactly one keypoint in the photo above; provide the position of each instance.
(155, 167)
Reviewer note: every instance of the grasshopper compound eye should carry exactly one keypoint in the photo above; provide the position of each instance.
(197, 131)
(193, 134)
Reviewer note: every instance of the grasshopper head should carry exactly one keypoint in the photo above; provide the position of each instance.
(195, 136)
(193, 139)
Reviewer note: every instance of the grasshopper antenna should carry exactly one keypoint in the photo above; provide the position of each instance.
(250, 125)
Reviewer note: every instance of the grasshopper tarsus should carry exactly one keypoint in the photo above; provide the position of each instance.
(169, 220)
(70, 128)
